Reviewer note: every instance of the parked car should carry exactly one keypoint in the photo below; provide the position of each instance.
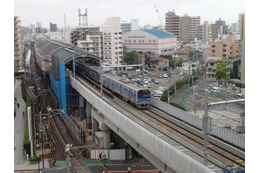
(157, 93)
(240, 96)
(165, 75)
(133, 80)
(160, 75)
(215, 89)
(156, 81)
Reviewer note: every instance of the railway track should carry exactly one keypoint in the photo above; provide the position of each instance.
(152, 117)
(61, 136)
(215, 151)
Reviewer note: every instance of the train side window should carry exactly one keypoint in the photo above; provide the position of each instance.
(132, 94)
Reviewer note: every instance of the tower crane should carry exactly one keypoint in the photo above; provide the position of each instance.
(159, 16)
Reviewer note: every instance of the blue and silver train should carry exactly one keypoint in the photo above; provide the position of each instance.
(131, 92)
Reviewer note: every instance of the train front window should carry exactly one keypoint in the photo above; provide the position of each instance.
(144, 94)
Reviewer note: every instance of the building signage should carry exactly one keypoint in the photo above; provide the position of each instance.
(136, 36)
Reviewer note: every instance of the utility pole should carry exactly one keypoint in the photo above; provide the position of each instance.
(143, 70)
(74, 66)
(42, 149)
(207, 121)
(168, 84)
(189, 74)
(205, 130)
(175, 87)
(64, 34)
(101, 79)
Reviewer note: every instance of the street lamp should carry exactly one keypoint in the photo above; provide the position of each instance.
(42, 148)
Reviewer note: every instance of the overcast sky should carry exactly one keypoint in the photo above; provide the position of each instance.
(46, 11)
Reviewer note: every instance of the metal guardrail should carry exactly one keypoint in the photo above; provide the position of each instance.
(220, 132)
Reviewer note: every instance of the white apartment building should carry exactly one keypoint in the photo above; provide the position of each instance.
(88, 38)
(18, 45)
(112, 41)
(92, 44)
(150, 40)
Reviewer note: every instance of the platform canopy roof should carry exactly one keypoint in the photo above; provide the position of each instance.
(64, 52)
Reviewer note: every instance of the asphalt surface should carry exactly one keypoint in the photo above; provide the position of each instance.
(20, 162)
(19, 126)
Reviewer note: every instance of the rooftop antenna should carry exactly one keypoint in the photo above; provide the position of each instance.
(84, 18)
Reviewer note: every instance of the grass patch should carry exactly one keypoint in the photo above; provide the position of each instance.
(27, 99)
(178, 106)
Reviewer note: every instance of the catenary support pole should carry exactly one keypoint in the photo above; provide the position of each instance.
(205, 130)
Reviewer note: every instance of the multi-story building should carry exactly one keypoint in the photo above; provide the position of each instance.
(233, 28)
(242, 66)
(205, 32)
(32, 27)
(104, 41)
(199, 32)
(129, 26)
(18, 45)
(211, 66)
(194, 24)
(189, 66)
(225, 49)
(112, 41)
(125, 26)
(172, 23)
(88, 38)
(150, 40)
(38, 24)
(53, 27)
(185, 27)
(213, 31)
(148, 57)
(242, 25)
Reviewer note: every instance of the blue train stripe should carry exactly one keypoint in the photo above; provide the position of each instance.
(143, 99)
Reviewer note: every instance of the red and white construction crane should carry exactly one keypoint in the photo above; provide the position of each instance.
(159, 17)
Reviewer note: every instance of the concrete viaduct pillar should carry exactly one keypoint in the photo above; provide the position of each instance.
(81, 108)
(88, 115)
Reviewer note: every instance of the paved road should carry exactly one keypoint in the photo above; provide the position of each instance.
(19, 126)
(20, 162)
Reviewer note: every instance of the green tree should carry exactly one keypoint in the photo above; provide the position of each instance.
(232, 74)
(171, 63)
(221, 71)
(194, 73)
(130, 58)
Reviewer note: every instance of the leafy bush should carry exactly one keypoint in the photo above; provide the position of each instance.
(27, 99)
(238, 85)
(34, 158)
(178, 106)
(26, 142)
(164, 96)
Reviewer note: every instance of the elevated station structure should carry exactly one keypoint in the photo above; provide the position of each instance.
(50, 59)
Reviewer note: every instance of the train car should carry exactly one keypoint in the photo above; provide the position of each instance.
(131, 92)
